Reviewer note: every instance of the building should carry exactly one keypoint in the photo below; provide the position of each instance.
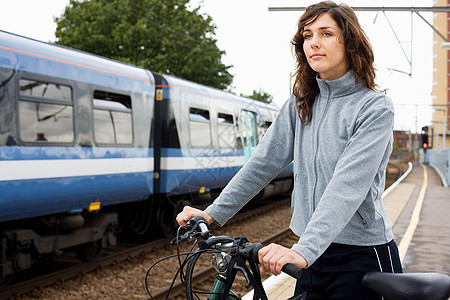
(441, 78)
(404, 140)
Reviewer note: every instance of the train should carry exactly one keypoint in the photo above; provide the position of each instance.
(92, 149)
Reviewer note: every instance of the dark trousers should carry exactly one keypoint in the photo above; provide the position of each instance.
(338, 272)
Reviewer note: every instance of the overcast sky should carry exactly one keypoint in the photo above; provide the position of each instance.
(257, 44)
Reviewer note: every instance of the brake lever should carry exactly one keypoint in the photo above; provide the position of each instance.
(244, 272)
(195, 227)
(187, 236)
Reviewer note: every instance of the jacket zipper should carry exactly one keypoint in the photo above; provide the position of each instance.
(317, 148)
(363, 220)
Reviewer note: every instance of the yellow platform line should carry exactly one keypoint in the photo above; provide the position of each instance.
(409, 233)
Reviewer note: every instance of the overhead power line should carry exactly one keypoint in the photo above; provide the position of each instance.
(374, 8)
(384, 9)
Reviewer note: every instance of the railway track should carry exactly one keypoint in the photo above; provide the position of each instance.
(394, 171)
(114, 258)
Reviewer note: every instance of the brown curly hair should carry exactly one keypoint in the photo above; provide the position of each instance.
(357, 47)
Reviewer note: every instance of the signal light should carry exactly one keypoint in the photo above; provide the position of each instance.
(424, 137)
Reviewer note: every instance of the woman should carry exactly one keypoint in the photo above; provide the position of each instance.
(338, 131)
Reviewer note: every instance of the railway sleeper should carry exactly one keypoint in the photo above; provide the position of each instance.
(27, 243)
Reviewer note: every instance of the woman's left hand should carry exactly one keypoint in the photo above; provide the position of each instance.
(273, 257)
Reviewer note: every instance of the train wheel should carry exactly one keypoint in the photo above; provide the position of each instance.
(165, 219)
(89, 251)
(5, 280)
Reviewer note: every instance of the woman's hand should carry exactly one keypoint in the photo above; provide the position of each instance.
(273, 257)
(190, 212)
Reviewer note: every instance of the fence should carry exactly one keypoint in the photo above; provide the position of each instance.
(439, 160)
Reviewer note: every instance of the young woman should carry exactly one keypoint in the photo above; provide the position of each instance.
(338, 131)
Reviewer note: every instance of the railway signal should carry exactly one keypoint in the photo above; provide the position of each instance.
(425, 138)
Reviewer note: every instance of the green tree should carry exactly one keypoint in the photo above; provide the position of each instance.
(167, 36)
(260, 95)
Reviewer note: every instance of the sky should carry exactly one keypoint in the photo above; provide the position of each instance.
(257, 45)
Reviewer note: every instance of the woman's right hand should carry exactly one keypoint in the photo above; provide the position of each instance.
(189, 212)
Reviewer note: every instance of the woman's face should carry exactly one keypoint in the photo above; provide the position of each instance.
(324, 51)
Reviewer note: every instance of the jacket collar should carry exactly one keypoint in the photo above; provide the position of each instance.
(340, 87)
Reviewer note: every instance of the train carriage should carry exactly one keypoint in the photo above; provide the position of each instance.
(91, 148)
(215, 130)
(69, 124)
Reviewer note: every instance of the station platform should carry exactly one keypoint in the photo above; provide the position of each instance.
(417, 206)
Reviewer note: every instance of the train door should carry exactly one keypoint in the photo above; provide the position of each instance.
(248, 122)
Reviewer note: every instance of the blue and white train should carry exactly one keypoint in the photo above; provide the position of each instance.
(91, 147)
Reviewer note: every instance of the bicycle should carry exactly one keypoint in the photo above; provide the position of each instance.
(236, 254)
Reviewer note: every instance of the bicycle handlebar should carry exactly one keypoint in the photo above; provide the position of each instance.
(198, 226)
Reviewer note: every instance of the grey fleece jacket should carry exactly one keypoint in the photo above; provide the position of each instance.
(339, 168)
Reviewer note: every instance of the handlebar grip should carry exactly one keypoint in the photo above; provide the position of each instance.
(289, 269)
(292, 270)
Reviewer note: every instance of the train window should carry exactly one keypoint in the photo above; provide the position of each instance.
(239, 133)
(226, 133)
(45, 122)
(197, 114)
(112, 118)
(265, 125)
(113, 98)
(45, 90)
(224, 119)
(45, 112)
(199, 128)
